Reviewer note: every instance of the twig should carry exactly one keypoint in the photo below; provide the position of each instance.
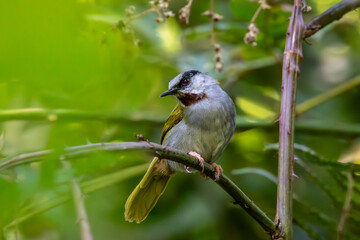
(347, 206)
(219, 65)
(330, 15)
(139, 15)
(312, 102)
(291, 64)
(184, 13)
(80, 206)
(253, 31)
(258, 10)
(212, 22)
(178, 156)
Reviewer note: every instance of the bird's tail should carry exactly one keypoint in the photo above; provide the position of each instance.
(148, 191)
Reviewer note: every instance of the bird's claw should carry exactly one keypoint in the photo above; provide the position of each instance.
(199, 158)
(217, 171)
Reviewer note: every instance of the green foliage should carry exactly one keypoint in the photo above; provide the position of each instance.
(102, 78)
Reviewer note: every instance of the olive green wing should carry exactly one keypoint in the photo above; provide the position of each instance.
(175, 117)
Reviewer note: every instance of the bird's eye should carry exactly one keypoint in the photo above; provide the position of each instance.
(185, 81)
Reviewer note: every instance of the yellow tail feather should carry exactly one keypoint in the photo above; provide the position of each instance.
(148, 191)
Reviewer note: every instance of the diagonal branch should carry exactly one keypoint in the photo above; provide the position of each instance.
(291, 69)
(329, 16)
(178, 156)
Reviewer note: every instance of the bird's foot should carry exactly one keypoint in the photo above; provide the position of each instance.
(218, 170)
(199, 158)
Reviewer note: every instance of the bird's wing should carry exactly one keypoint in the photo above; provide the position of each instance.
(175, 117)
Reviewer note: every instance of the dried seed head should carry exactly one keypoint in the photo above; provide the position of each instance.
(207, 13)
(169, 14)
(217, 17)
(219, 66)
(159, 19)
(217, 47)
(264, 4)
(163, 5)
(306, 8)
(130, 11)
(250, 36)
(184, 14)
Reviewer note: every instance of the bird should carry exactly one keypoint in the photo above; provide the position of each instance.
(201, 124)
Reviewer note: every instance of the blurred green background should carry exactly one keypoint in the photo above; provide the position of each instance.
(75, 55)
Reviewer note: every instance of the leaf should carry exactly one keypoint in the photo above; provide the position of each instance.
(311, 156)
(258, 171)
(352, 156)
(254, 109)
(52, 199)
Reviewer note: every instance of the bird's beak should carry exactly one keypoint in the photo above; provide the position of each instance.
(170, 91)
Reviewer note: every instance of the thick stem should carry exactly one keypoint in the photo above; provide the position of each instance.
(291, 62)
(330, 15)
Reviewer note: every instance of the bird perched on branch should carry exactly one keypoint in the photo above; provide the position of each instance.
(201, 124)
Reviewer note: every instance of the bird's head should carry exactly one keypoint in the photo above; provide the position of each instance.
(189, 87)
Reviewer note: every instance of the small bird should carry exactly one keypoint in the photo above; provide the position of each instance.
(201, 124)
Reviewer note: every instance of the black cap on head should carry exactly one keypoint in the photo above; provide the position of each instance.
(189, 74)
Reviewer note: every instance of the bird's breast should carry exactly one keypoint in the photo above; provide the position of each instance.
(206, 129)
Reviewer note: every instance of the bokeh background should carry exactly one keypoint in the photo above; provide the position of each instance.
(76, 55)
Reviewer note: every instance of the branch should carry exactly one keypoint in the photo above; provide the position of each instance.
(327, 17)
(291, 69)
(177, 156)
